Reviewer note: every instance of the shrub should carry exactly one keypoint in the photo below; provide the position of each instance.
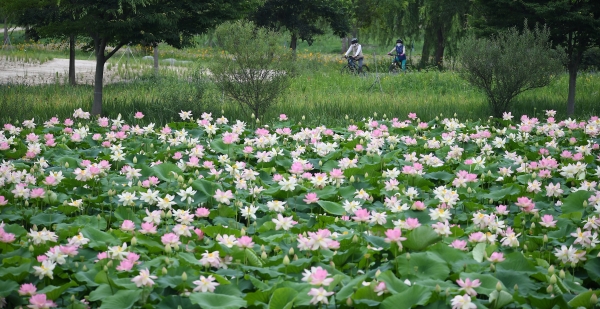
(507, 64)
(254, 68)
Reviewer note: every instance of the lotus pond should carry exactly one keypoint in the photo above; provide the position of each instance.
(217, 213)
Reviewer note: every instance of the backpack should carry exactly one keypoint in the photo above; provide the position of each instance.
(399, 51)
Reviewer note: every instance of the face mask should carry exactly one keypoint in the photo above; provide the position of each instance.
(398, 44)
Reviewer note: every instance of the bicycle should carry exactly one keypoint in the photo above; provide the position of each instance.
(396, 66)
(352, 67)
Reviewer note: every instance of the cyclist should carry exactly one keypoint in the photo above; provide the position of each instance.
(355, 53)
(400, 54)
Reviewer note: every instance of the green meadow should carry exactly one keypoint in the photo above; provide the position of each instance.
(319, 94)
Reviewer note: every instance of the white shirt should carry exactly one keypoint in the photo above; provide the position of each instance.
(358, 50)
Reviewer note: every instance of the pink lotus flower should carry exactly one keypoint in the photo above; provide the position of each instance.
(202, 212)
(283, 117)
(548, 221)
(128, 226)
(394, 235)
(361, 215)
(139, 115)
(496, 257)
(317, 276)
(125, 265)
(411, 223)
(469, 286)
(459, 244)
(170, 239)
(27, 289)
(310, 198)
(245, 242)
(39, 301)
(148, 228)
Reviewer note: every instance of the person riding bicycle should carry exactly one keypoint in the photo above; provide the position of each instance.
(400, 54)
(355, 53)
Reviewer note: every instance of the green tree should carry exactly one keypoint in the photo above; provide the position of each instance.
(304, 19)
(255, 69)
(112, 24)
(574, 26)
(488, 64)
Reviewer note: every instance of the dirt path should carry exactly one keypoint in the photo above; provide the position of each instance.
(56, 70)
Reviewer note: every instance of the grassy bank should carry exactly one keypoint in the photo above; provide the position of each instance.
(319, 93)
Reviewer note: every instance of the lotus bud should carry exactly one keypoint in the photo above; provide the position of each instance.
(366, 175)
(551, 270)
(593, 299)
(66, 164)
(26, 203)
(407, 256)
(438, 289)
(31, 248)
(167, 261)
(168, 248)
(180, 179)
(355, 238)
(190, 181)
(76, 264)
(169, 213)
(447, 292)
(492, 267)
(176, 247)
(561, 274)
(303, 117)
(585, 204)
(277, 249)
(110, 263)
(367, 255)
(295, 258)
(105, 268)
(352, 179)
(498, 286)
(320, 163)
(491, 201)
(273, 170)
(550, 289)
(184, 276)
(84, 268)
(349, 299)
(291, 251)
(34, 227)
(243, 231)
(252, 116)
(262, 247)
(133, 241)
(257, 120)
(164, 271)
(533, 175)
(263, 255)
(532, 225)
(469, 190)
(553, 279)
(286, 260)
(134, 160)
(525, 247)
(377, 273)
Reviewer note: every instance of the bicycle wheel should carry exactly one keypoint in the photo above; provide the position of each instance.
(346, 69)
(364, 70)
(394, 68)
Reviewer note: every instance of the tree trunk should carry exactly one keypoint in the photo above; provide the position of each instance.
(294, 41)
(573, 67)
(5, 31)
(72, 80)
(425, 52)
(439, 50)
(99, 77)
(156, 60)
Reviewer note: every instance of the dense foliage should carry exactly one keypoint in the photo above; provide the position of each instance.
(213, 213)
(505, 65)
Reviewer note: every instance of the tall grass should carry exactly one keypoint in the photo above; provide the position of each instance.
(319, 93)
